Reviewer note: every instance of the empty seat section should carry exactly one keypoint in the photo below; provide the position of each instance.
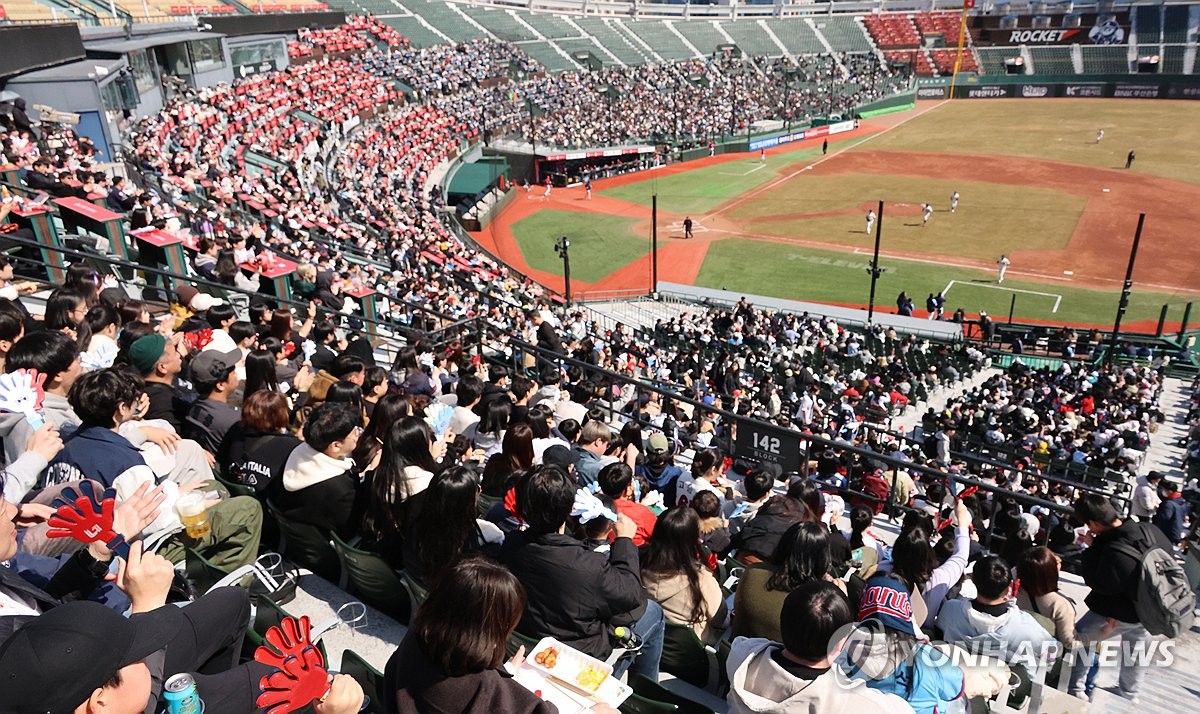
(892, 31)
(1105, 59)
(797, 36)
(1052, 60)
(612, 40)
(702, 34)
(751, 38)
(498, 22)
(661, 39)
(843, 34)
(411, 27)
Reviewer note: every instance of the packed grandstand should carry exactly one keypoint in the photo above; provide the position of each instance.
(250, 316)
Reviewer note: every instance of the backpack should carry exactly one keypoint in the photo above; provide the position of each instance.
(872, 485)
(1164, 600)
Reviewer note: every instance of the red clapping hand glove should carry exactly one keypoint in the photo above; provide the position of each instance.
(86, 518)
(290, 638)
(301, 681)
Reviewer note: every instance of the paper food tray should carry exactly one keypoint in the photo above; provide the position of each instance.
(568, 666)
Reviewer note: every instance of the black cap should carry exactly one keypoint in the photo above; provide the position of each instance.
(53, 664)
(558, 455)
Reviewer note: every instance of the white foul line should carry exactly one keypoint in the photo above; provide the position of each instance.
(1056, 296)
(744, 173)
(753, 193)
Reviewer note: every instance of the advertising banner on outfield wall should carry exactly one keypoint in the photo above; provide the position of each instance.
(1110, 28)
(814, 133)
(1183, 91)
(1082, 90)
(932, 92)
(1000, 91)
(1035, 91)
(1137, 91)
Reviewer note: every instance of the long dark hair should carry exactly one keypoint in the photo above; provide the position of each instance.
(801, 556)
(516, 453)
(59, 308)
(407, 444)
(913, 559)
(441, 532)
(389, 408)
(260, 372)
(471, 611)
(674, 548)
(495, 417)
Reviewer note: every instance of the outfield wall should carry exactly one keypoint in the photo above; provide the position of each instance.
(1128, 86)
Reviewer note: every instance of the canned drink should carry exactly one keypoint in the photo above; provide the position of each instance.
(180, 693)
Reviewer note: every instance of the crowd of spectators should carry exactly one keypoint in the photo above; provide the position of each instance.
(528, 494)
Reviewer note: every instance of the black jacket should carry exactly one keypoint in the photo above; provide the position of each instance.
(548, 339)
(1113, 576)
(331, 505)
(575, 594)
(73, 580)
(254, 458)
(416, 685)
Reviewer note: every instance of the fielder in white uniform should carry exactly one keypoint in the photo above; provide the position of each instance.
(1001, 266)
(926, 212)
(870, 221)
(954, 202)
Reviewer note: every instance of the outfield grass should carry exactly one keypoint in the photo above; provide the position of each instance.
(702, 190)
(780, 270)
(1163, 133)
(1045, 221)
(600, 243)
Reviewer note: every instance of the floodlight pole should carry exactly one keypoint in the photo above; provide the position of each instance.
(1123, 304)
(874, 268)
(654, 244)
(561, 246)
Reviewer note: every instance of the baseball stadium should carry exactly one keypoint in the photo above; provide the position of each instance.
(638, 356)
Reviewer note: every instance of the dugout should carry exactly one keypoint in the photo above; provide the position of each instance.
(566, 168)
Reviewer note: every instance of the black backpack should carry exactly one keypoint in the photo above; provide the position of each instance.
(1165, 602)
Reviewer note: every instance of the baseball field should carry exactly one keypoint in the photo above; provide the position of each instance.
(1034, 185)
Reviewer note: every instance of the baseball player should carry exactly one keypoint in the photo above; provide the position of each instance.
(762, 155)
(1099, 135)
(926, 212)
(1001, 266)
(687, 227)
(587, 186)
(870, 221)
(954, 202)
(549, 185)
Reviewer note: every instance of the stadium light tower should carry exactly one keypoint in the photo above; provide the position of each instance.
(1126, 289)
(873, 269)
(561, 247)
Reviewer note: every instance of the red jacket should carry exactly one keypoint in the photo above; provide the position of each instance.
(642, 516)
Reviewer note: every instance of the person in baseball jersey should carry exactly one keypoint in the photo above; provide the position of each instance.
(587, 186)
(926, 212)
(549, 185)
(870, 221)
(1099, 135)
(1001, 266)
(954, 202)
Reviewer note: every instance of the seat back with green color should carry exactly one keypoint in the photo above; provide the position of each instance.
(649, 689)
(306, 546)
(369, 678)
(373, 580)
(684, 655)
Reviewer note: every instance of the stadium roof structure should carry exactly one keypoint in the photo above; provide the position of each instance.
(140, 43)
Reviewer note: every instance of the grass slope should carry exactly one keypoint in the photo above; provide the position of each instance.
(779, 270)
(600, 243)
(1163, 133)
(1045, 221)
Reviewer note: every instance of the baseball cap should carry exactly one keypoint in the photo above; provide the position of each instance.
(657, 444)
(558, 455)
(52, 664)
(145, 352)
(195, 300)
(214, 365)
(851, 393)
(886, 601)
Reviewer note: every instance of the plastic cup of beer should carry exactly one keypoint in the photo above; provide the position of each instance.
(192, 513)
